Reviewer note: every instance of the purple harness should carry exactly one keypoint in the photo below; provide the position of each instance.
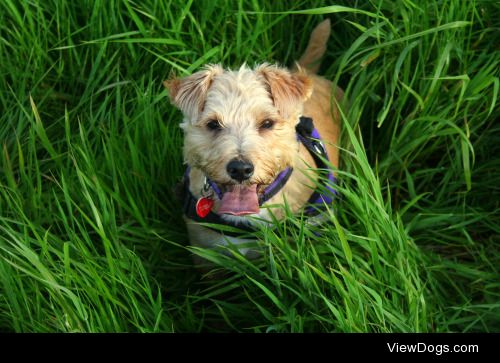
(309, 136)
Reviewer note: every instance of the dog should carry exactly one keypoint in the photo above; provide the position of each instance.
(251, 143)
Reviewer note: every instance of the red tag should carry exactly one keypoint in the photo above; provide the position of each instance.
(204, 206)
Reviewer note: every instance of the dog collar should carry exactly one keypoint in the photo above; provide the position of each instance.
(270, 191)
(309, 136)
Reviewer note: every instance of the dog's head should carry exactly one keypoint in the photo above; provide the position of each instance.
(240, 126)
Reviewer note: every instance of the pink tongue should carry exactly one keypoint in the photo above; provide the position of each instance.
(239, 201)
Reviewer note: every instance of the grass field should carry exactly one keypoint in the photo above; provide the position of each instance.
(92, 238)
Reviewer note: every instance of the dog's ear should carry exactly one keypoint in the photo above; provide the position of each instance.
(288, 90)
(189, 94)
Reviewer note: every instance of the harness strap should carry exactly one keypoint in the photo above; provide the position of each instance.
(309, 136)
(275, 186)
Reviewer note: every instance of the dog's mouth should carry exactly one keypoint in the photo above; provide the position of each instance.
(240, 200)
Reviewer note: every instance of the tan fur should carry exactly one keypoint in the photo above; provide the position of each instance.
(241, 100)
(188, 94)
(286, 89)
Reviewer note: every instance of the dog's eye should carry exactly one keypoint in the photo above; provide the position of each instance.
(266, 124)
(214, 125)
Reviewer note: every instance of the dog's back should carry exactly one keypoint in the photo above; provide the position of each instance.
(326, 119)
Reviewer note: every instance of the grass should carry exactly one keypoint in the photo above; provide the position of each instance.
(91, 235)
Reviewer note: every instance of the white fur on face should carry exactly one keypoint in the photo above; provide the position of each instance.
(240, 101)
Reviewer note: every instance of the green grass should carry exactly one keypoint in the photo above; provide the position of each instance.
(91, 235)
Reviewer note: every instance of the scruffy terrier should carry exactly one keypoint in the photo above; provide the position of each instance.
(255, 139)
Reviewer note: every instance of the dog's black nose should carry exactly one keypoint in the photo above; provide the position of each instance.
(239, 170)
